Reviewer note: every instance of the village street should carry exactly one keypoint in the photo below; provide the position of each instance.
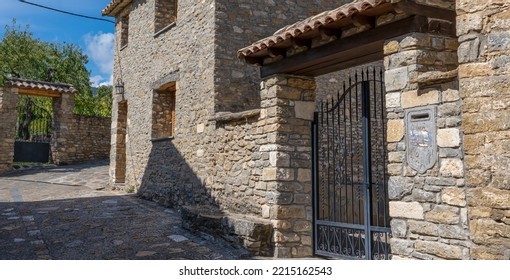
(64, 213)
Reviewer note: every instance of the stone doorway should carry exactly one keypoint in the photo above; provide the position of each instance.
(119, 149)
(33, 129)
(74, 138)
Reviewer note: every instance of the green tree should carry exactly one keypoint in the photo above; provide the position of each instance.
(105, 99)
(27, 57)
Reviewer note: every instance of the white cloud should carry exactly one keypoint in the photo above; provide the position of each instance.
(99, 80)
(96, 80)
(100, 49)
(107, 82)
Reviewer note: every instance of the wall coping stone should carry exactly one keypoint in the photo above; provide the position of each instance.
(165, 29)
(162, 139)
(229, 116)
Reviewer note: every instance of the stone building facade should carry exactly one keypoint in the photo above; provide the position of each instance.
(231, 147)
(224, 147)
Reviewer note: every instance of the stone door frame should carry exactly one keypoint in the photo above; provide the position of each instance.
(62, 100)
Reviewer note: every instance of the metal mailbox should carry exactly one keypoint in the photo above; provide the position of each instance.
(421, 134)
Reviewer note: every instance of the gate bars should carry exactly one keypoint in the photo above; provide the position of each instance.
(33, 122)
(351, 218)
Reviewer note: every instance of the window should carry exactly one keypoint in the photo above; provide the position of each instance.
(166, 14)
(124, 33)
(163, 112)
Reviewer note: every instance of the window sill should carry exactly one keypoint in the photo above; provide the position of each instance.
(164, 29)
(123, 47)
(162, 139)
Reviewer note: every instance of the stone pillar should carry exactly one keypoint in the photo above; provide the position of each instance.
(288, 103)
(62, 141)
(483, 28)
(427, 207)
(8, 107)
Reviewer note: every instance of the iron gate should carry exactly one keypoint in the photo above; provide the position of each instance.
(349, 166)
(33, 132)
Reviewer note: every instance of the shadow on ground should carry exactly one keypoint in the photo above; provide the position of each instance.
(104, 227)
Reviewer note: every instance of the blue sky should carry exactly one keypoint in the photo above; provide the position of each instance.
(94, 37)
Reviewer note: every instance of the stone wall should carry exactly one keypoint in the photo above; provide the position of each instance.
(483, 28)
(329, 85)
(288, 104)
(88, 140)
(77, 138)
(240, 23)
(206, 162)
(8, 107)
(226, 164)
(183, 54)
(427, 207)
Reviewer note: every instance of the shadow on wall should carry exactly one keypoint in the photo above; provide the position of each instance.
(170, 181)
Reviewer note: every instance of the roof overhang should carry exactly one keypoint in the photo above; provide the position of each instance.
(115, 7)
(39, 88)
(347, 36)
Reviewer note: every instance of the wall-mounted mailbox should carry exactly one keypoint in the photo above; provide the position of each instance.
(421, 133)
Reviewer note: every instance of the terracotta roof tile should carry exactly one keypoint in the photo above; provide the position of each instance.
(111, 9)
(311, 24)
(41, 85)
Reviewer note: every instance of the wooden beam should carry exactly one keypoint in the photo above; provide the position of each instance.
(355, 42)
(340, 65)
(340, 57)
(38, 92)
(413, 8)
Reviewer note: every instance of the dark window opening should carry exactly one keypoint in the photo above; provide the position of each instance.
(166, 14)
(163, 111)
(124, 34)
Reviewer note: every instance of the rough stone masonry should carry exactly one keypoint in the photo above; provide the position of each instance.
(215, 159)
(483, 28)
(256, 163)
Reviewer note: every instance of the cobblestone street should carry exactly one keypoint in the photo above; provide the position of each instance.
(65, 213)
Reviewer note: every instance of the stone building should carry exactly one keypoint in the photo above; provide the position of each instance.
(422, 173)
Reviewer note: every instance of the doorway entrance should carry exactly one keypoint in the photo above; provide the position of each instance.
(351, 218)
(33, 129)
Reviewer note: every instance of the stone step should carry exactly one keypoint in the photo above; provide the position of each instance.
(250, 232)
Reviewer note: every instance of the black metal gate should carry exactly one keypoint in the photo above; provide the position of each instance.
(33, 131)
(350, 180)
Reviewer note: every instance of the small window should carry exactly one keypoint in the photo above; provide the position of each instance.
(166, 14)
(163, 112)
(124, 34)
